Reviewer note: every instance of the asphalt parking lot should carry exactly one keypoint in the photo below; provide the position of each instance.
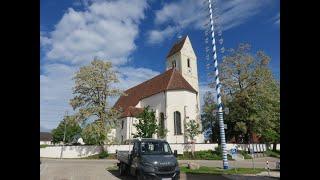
(76, 169)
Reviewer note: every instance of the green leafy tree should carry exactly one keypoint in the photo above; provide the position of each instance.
(94, 85)
(72, 128)
(147, 124)
(269, 119)
(192, 129)
(251, 93)
(210, 122)
(92, 134)
(161, 131)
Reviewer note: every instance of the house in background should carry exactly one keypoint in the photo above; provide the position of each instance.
(45, 138)
(173, 95)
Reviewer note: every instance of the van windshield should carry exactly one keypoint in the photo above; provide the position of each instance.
(153, 147)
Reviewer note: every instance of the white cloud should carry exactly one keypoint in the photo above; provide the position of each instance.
(184, 14)
(103, 30)
(56, 89)
(203, 87)
(44, 40)
(130, 77)
(277, 19)
(237, 12)
(55, 92)
(181, 13)
(158, 36)
(44, 129)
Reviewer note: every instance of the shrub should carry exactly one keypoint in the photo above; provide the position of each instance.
(43, 145)
(103, 154)
(203, 155)
(244, 154)
(271, 153)
(218, 150)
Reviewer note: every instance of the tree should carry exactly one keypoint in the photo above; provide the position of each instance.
(94, 85)
(92, 134)
(210, 122)
(251, 93)
(161, 131)
(72, 129)
(192, 129)
(147, 125)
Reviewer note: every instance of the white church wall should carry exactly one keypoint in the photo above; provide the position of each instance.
(122, 133)
(127, 130)
(131, 128)
(156, 102)
(176, 101)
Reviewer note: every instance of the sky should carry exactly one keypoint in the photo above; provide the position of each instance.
(136, 35)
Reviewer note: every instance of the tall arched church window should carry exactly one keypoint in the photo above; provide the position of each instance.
(161, 123)
(177, 123)
(188, 62)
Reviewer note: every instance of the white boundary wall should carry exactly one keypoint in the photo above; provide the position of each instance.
(69, 151)
(84, 151)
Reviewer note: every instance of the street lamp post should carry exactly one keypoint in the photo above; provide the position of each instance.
(64, 134)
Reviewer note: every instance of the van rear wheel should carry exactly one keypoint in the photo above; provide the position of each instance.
(139, 176)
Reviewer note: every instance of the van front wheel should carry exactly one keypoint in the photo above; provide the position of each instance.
(122, 169)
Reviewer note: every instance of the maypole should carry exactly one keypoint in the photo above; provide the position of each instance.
(217, 87)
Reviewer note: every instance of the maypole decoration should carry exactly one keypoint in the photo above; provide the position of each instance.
(217, 82)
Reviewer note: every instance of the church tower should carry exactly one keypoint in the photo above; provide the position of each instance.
(183, 58)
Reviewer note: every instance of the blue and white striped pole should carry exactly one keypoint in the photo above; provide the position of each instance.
(220, 111)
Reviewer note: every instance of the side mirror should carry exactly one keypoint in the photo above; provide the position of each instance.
(175, 153)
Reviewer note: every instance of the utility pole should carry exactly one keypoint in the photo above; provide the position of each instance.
(220, 110)
(64, 134)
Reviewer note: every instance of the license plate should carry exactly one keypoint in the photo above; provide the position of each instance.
(166, 178)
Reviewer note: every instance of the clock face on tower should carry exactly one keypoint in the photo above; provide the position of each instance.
(189, 70)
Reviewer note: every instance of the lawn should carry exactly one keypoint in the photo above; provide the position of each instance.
(210, 170)
(271, 153)
(220, 171)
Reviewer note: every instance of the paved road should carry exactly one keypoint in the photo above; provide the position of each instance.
(72, 169)
(56, 169)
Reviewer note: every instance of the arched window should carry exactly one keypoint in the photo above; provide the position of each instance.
(188, 62)
(161, 123)
(177, 123)
(174, 64)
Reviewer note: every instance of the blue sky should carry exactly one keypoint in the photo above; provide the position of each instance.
(136, 35)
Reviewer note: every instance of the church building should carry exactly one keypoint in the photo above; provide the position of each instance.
(173, 95)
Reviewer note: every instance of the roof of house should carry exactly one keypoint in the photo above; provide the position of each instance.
(131, 111)
(169, 80)
(45, 136)
(177, 46)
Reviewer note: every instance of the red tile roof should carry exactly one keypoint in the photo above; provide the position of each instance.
(169, 80)
(177, 47)
(131, 111)
(45, 136)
